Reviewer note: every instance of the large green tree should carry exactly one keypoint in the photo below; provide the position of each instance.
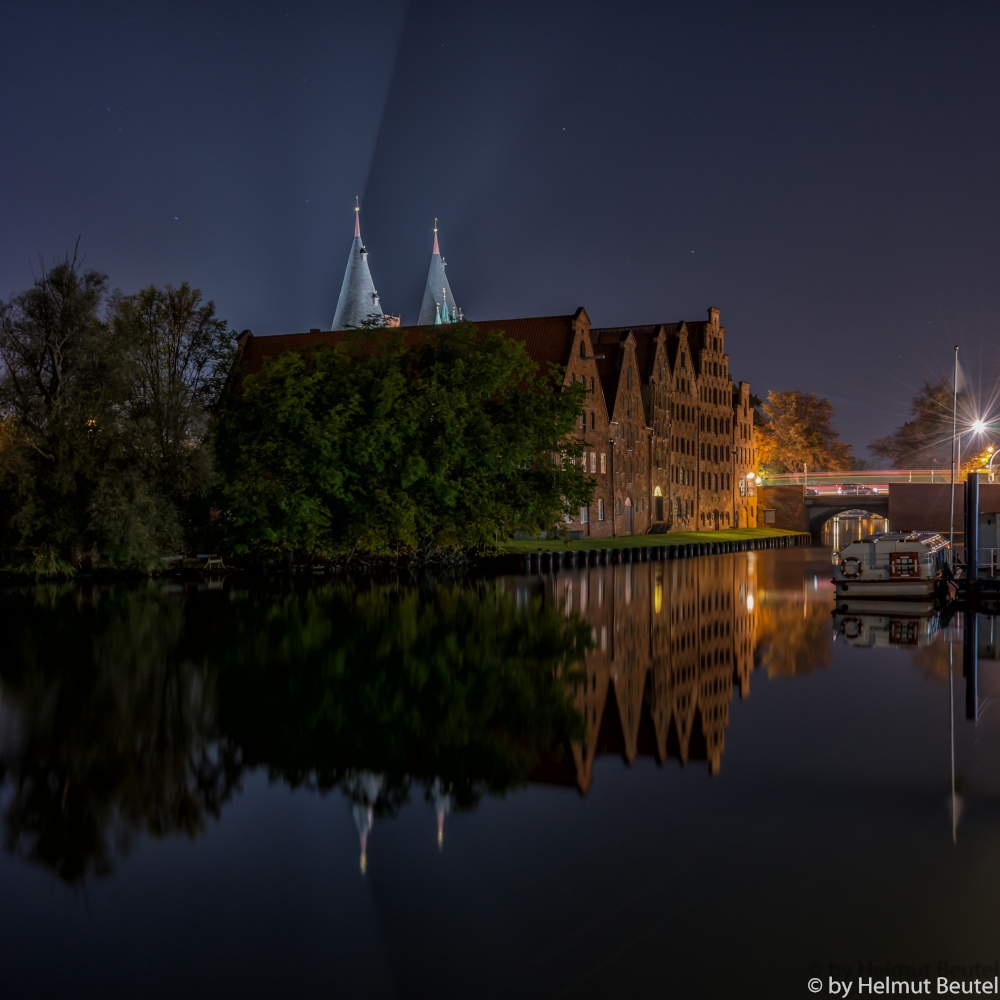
(797, 430)
(374, 446)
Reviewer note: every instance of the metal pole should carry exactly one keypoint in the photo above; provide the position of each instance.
(954, 429)
(951, 707)
(970, 654)
(971, 533)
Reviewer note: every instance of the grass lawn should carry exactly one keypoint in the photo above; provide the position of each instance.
(638, 541)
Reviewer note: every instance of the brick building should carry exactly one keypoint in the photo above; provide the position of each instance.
(668, 438)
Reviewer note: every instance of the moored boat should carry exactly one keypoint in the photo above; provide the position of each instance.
(892, 564)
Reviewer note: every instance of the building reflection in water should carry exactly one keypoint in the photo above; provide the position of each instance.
(673, 643)
(128, 711)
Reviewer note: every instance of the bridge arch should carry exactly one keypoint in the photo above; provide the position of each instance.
(821, 509)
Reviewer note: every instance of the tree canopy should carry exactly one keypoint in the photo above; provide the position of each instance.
(925, 441)
(797, 430)
(104, 402)
(380, 447)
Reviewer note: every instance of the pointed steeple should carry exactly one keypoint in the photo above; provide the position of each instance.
(438, 305)
(358, 302)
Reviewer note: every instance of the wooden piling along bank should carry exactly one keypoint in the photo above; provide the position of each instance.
(545, 562)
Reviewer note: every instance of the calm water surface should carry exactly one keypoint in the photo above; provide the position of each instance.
(687, 778)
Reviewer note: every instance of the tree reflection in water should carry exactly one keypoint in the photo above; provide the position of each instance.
(135, 710)
(107, 726)
(132, 710)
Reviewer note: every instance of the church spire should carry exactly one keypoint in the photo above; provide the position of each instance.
(438, 305)
(358, 303)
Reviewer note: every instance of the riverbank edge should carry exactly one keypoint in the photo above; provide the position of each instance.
(521, 545)
(525, 555)
(705, 543)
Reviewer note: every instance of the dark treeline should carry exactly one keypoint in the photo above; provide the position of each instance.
(105, 400)
(135, 710)
(128, 434)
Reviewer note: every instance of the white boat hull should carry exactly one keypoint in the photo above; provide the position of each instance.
(908, 589)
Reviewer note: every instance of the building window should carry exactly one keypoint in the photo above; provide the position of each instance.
(591, 383)
(593, 461)
(593, 421)
(585, 515)
(583, 421)
(604, 462)
(715, 483)
(618, 507)
(600, 510)
(703, 480)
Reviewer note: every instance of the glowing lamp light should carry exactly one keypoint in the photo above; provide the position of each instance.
(751, 476)
(979, 426)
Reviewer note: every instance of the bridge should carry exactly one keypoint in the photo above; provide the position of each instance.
(908, 504)
(879, 478)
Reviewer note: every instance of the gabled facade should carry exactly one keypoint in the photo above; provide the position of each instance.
(744, 459)
(681, 433)
(690, 478)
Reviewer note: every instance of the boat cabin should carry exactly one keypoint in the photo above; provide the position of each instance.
(891, 564)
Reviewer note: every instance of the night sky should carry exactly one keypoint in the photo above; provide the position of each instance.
(825, 174)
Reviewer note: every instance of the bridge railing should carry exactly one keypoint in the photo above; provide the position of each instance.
(987, 559)
(830, 482)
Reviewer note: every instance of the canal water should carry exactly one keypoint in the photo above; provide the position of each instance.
(693, 778)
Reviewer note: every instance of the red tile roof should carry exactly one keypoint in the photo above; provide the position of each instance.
(547, 339)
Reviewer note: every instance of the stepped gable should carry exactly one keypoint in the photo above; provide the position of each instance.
(610, 343)
(696, 342)
(645, 353)
(358, 303)
(674, 333)
(438, 305)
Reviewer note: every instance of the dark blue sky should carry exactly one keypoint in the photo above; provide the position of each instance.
(826, 175)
